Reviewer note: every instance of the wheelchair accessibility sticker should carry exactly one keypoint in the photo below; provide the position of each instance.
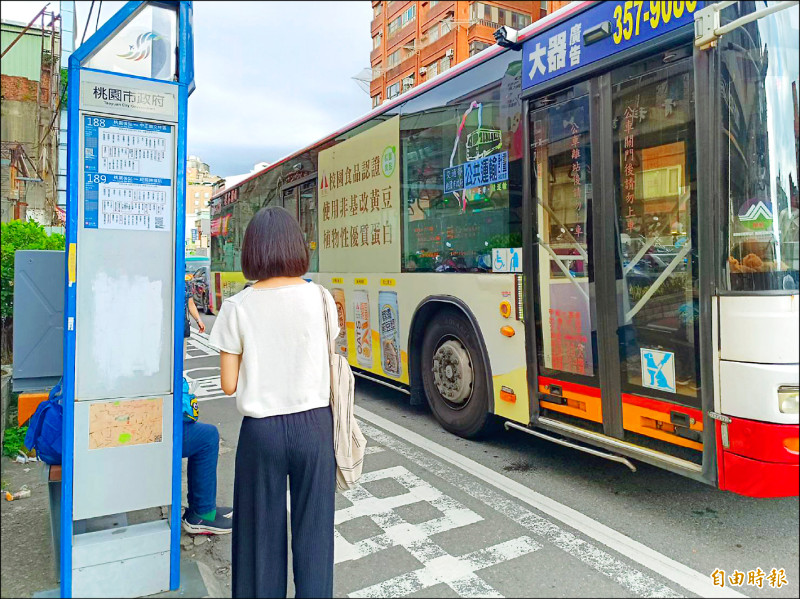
(507, 260)
(658, 370)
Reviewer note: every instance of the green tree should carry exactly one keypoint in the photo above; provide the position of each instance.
(18, 235)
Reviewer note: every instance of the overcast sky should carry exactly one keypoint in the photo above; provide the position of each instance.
(271, 77)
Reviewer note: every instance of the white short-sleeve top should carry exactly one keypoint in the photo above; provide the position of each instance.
(280, 334)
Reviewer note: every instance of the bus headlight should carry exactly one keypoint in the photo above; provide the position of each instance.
(788, 399)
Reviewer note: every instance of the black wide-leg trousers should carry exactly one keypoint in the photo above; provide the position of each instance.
(299, 446)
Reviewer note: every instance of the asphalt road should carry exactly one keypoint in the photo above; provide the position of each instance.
(512, 515)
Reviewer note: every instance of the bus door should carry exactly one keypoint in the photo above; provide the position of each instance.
(301, 201)
(615, 278)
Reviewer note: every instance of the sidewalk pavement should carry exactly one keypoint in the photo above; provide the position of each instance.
(27, 567)
(27, 564)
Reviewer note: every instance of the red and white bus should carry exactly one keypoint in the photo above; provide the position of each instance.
(588, 232)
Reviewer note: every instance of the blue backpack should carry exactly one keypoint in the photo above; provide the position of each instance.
(45, 426)
(190, 407)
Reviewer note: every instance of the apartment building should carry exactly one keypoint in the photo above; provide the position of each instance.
(29, 108)
(200, 187)
(414, 41)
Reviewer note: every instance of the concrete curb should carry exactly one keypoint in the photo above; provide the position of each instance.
(213, 588)
(5, 392)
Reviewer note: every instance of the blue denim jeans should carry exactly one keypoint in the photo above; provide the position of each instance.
(201, 446)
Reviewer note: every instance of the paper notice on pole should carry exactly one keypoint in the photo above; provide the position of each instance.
(123, 423)
(128, 171)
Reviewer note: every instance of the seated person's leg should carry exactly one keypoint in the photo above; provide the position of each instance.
(201, 447)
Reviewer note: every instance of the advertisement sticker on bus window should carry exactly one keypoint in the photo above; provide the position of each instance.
(755, 215)
(658, 369)
(485, 170)
(600, 32)
(359, 199)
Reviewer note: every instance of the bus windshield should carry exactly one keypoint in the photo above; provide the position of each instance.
(761, 148)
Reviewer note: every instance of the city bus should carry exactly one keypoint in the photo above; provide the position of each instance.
(587, 232)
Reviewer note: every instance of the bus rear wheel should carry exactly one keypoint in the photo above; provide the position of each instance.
(454, 376)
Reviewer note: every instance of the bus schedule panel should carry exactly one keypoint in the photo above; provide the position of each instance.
(600, 32)
(127, 174)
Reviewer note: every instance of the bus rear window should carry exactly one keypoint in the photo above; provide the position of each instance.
(759, 66)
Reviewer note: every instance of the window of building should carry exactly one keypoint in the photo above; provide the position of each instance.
(197, 194)
(432, 69)
(438, 30)
(205, 195)
(433, 3)
(376, 71)
(377, 9)
(402, 20)
(477, 46)
(408, 82)
(376, 41)
(393, 90)
(454, 217)
(393, 59)
(445, 64)
(376, 101)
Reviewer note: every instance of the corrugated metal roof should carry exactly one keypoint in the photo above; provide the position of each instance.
(25, 58)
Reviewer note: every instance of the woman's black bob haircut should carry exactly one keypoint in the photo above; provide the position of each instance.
(274, 246)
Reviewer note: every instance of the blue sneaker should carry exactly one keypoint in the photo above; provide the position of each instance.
(221, 525)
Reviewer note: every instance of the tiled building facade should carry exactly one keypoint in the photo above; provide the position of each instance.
(414, 41)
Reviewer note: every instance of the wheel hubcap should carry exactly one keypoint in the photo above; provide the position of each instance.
(452, 372)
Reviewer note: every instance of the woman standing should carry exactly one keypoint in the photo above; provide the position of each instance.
(274, 356)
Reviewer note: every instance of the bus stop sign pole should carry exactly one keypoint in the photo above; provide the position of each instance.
(123, 331)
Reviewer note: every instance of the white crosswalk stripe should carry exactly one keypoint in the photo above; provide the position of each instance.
(206, 388)
(199, 342)
(439, 566)
(193, 346)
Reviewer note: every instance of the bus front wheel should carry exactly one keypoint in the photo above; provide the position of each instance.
(454, 376)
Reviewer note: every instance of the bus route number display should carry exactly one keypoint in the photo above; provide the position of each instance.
(601, 31)
(127, 170)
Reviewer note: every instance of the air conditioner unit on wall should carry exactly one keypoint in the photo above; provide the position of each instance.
(423, 70)
(449, 53)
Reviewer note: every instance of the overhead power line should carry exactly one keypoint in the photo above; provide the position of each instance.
(86, 27)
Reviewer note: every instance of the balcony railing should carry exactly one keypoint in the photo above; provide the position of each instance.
(404, 30)
(437, 11)
(376, 24)
(376, 85)
(435, 47)
(485, 23)
(402, 67)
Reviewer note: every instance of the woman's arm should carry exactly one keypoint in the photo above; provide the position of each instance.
(229, 371)
(196, 315)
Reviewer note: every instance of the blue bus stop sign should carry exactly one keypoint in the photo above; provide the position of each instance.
(123, 331)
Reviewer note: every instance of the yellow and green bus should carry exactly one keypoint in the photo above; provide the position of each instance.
(588, 232)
